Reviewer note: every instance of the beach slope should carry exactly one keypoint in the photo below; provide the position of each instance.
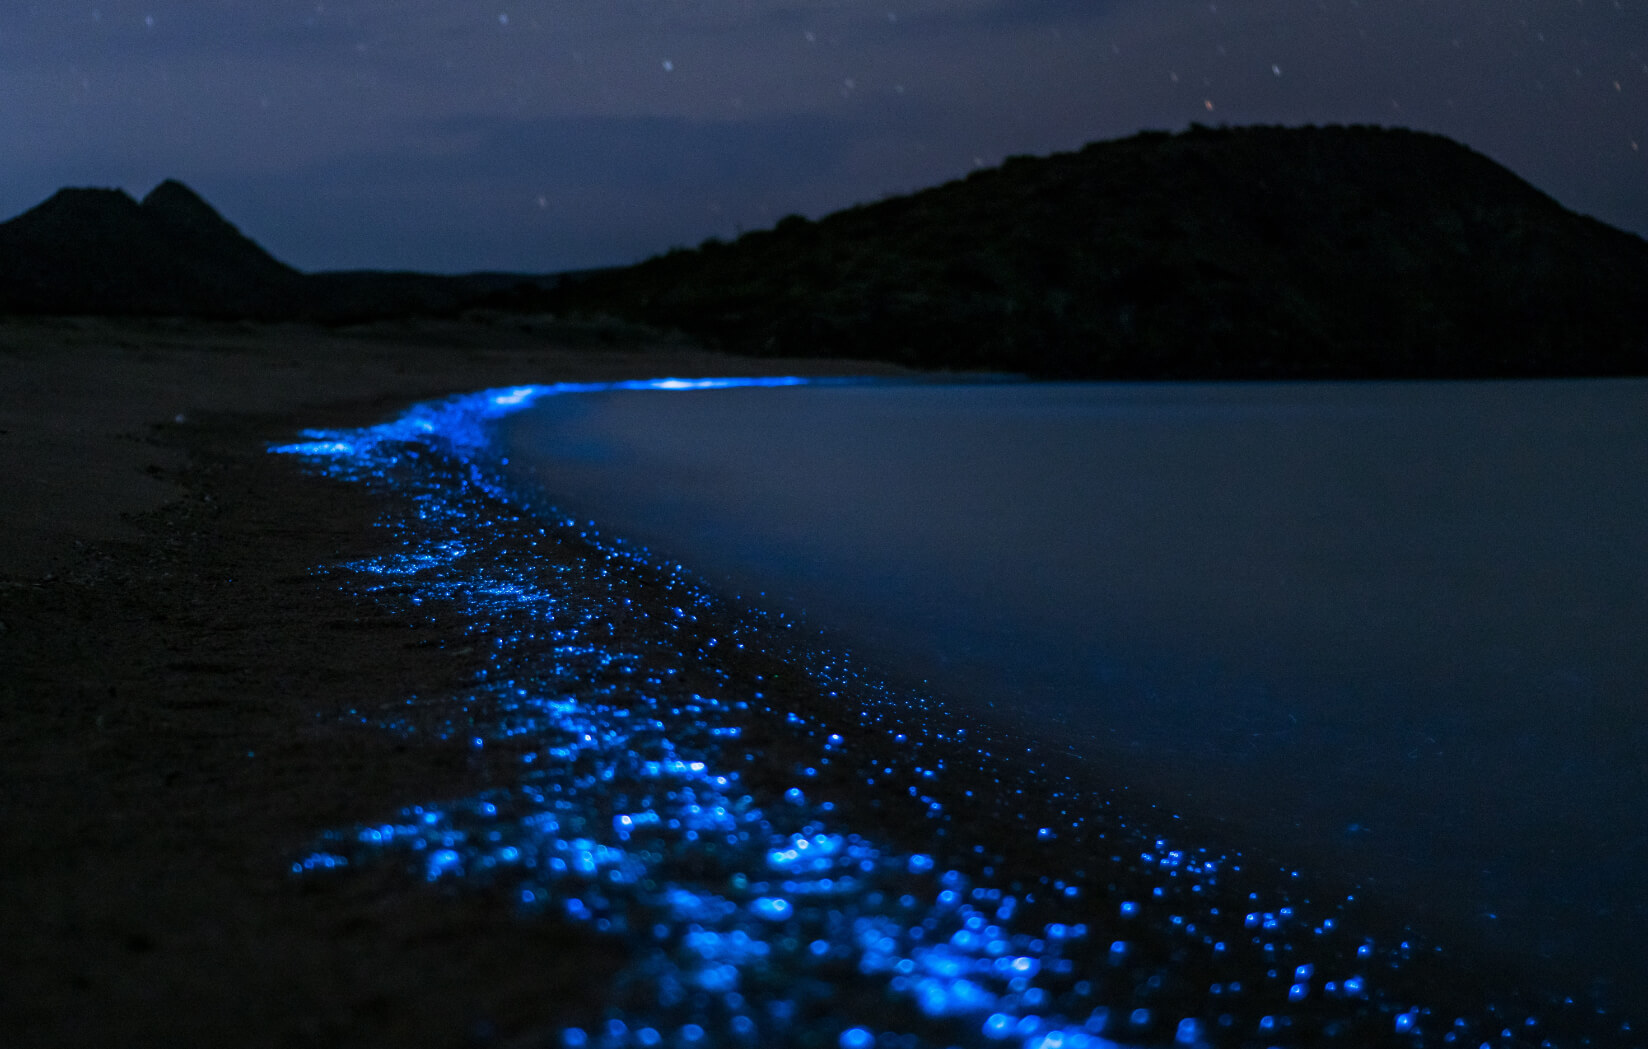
(173, 671)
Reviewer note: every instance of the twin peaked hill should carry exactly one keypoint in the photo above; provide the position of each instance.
(98, 251)
(1230, 253)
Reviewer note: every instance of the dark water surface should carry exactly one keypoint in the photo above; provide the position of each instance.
(1394, 631)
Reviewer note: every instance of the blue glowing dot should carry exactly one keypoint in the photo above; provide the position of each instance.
(442, 861)
(875, 911)
(772, 908)
(857, 1038)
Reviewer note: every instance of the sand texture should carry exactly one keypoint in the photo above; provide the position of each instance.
(170, 665)
(196, 683)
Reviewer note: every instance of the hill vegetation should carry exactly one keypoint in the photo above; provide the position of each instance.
(1257, 252)
(1252, 252)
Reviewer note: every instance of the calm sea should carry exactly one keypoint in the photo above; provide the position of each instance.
(1395, 632)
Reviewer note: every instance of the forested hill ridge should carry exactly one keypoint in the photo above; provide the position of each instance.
(1259, 252)
(99, 251)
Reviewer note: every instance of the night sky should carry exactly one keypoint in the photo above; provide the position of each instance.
(451, 135)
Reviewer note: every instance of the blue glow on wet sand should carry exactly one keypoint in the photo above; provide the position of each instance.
(795, 853)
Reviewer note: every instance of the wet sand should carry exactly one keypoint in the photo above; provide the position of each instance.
(174, 729)
(172, 671)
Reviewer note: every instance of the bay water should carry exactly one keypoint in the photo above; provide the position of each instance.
(1395, 632)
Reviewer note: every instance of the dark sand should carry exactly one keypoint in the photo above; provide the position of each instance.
(169, 668)
(173, 673)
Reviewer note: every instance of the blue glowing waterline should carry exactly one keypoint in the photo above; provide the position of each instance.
(755, 914)
(459, 423)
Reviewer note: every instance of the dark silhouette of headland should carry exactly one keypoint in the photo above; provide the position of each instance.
(1218, 253)
(1262, 252)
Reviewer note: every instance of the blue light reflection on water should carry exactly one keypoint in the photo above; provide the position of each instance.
(754, 910)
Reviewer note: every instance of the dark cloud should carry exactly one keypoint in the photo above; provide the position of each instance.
(644, 153)
(539, 193)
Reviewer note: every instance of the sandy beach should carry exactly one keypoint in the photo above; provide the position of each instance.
(172, 668)
(183, 662)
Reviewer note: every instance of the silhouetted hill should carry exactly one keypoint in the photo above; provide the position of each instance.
(1251, 252)
(351, 295)
(98, 251)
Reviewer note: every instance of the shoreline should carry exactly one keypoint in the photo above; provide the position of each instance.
(995, 793)
(174, 668)
(172, 738)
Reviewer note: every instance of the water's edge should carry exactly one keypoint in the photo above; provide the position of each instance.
(796, 853)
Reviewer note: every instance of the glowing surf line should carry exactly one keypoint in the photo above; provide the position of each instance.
(627, 780)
